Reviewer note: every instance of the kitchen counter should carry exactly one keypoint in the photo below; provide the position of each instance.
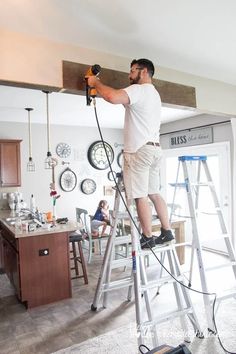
(70, 226)
(38, 262)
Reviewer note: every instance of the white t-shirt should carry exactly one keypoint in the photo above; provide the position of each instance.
(142, 116)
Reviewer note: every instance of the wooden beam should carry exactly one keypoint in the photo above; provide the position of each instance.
(170, 92)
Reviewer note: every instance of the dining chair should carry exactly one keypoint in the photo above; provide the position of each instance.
(84, 219)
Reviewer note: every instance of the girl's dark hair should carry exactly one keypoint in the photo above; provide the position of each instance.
(102, 203)
(144, 63)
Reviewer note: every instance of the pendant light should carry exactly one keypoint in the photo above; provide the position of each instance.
(48, 163)
(30, 164)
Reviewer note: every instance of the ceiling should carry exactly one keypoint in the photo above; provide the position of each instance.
(197, 37)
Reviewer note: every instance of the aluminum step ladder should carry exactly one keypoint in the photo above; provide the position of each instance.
(193, 185)
(146, 318)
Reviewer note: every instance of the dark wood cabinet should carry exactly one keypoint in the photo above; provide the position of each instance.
(10, 164)
(1, 254)
(38, 266)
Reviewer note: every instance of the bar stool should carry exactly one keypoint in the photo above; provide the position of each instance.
(77, 258)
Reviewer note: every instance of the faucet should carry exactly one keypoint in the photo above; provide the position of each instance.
(36, 216)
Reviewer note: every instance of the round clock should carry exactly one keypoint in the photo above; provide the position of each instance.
(88, 186)
(63, 150)
(120, 157)
(68, 180)
(97, 155)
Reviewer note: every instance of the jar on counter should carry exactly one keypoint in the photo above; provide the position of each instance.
(18, 226)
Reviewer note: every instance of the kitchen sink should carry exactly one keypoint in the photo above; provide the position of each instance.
(12, 220)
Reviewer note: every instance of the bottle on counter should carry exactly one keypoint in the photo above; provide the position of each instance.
(18, 225)
(32, 204)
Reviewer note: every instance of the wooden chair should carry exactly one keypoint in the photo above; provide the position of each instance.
(84, 219)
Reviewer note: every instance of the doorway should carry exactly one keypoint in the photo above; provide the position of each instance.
(218, 159)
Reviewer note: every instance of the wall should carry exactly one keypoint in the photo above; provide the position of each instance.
(37, 61)
(38, 182)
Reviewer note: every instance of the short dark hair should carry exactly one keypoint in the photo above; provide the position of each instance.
(144, 63)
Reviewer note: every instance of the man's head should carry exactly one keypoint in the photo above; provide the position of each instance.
(141, 71)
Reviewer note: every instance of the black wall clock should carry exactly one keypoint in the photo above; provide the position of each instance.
(120, 157)
(88, 186)
(97, 156)
(68, 180)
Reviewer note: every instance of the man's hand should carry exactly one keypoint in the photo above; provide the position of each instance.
(91, 80)
(108, 93)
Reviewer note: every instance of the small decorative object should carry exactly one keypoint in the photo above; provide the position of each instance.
(120, 157)
(97, 155)
(53, 192)
(68, 180)
(30, 164)
(108, 190)
(48, 164)
(88, 186)
(63, 150)
(111, 176)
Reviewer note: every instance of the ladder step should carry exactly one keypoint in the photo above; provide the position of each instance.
(211, 238)
(122, 262)
(161, 281)
(117, 284)
(224, 265)
(157, 249)
(201, 184)
(226, 295)
(166, 317)
(121, 240)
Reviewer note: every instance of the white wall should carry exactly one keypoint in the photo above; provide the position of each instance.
(35, 60)
(37, 182)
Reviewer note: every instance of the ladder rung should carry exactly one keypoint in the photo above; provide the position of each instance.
(117, 284)
(226, 295)
(223, 265)
(120, 240)
(157, 249)
(161, 281)
(201, 184)
(214, 237)
(122, 262)
(166, 317)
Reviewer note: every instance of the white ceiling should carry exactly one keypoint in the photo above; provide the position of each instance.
(197, 37)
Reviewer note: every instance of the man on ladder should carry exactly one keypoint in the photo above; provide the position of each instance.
(142, 156)
(142, 151)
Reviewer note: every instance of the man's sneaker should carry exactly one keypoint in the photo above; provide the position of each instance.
(147, 242)
(166, 236)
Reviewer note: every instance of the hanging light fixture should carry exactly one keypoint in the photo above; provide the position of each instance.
(30, 164)
(48, 163)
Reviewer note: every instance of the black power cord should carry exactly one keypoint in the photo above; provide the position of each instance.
(162, 265)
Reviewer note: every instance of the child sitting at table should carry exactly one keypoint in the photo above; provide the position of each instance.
(101, 218)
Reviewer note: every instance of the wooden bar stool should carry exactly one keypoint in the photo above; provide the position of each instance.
(78, 257)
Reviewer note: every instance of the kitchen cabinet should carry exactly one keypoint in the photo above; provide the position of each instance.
(10, 163)
(1, 254)
(37, 266)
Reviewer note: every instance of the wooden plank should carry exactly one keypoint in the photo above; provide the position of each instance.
(170, 92)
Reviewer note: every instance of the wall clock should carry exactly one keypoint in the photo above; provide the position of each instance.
(120, 157)
(97, 156)
(68, 180)
(63, 150)
(88, 186)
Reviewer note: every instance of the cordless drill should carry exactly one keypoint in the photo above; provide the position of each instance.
(94, 70)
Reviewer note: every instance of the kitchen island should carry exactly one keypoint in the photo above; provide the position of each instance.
(38, 262)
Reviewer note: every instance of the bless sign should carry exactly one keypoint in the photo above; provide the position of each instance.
(192, 137)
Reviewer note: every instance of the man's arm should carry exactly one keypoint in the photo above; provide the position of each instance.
(108, 93)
